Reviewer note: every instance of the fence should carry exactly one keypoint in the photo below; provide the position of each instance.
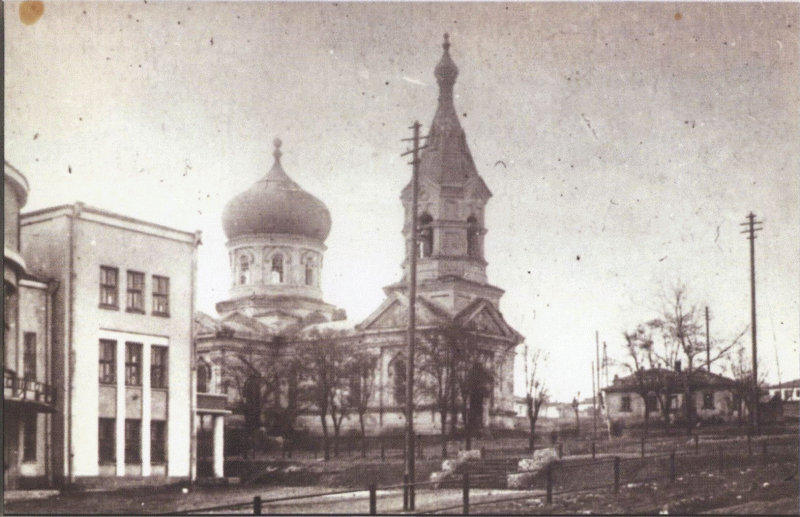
(609, 472)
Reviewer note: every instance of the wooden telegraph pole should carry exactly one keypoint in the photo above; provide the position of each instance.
(751, 231)
(409, 477)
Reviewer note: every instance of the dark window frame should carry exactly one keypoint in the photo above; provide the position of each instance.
(29, 356)
(133, 441)
(29, 438)
(133, 363)
(625, 404)
(135, 292)
(277, 266)
(708, 400)
(107, 366)
(158, 442)
(109, 287)
(159, 362)
(160, 295)
(106, 440)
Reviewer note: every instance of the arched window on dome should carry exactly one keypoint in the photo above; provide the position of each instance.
(243, 276)
(473, 238)
(276, 274)
(425, 241)
(310, 268)
(203, 376)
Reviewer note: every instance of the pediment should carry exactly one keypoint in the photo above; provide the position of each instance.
(483, 317)
(393, 314)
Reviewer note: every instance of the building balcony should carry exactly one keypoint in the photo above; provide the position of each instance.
(211, 403)
(34, 394)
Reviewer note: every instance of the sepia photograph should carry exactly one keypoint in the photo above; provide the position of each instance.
(300, 257)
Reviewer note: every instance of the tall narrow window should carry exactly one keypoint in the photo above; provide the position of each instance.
(106, 440)
(160, 295)
(708, 400)
(135, 288)
(158, 441)
(203, 377)
(133, 441)
(399, 380)
(473, 238)
(108, 287)
(29, 356)
(244, 270)
(158, 366)
(133, 364)
(626, 404)
(29, 438)
(425, 241)
(309, 265)
(108, 361)
(276, 275)
(651, 402)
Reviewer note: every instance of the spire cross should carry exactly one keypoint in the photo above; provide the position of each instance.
(446, 44)
(277, 153)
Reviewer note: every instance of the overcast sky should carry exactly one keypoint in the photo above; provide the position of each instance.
(623, 144)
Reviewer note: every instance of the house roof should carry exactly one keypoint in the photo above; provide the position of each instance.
(671, 379)
(788, 384)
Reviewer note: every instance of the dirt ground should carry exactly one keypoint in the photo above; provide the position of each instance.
(748, 486)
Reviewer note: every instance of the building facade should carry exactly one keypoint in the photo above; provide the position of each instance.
(28, 393)
(276, 234)
(122, 353)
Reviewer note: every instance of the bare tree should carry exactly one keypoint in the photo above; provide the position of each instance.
(362, 384)
(741, 368)
(535, 390)
(437, 364)
(680, 327)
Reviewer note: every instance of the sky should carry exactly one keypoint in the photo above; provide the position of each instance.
(624, 145)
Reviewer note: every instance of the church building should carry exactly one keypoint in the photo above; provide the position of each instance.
(276, 233)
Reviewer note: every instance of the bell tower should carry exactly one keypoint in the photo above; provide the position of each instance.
(451, 268)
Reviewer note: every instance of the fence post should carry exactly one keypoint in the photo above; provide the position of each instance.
(383, 450)
(720, 458)
(289, 444)
(373, 500)
(672, 467)
(749, 445)
(594, 451)
(616, 474)
(642, 446)
(549, 473)
(465, 493)
(696, 445)
(257, 505)
(420, 454)
(560, 450)
(764, 450)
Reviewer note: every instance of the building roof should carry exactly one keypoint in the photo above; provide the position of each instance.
(446, 159)
(671, 379)
(788, 384)
(276, 204)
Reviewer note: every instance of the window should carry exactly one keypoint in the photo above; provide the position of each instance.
(158, 366)
(797, 393)
(133, 364)
(203, 377)
(651, 402)
(158, 441)
(133, 441)
(29, 356)
(787, 394)
(106, 440)
(160, 295)
(244, 270)
(473, 235)
(425, 242)
(626, 404)
(108, 361)
(708, 400)
(135, 292)
(29, 438)
(398, 369)
(276, 275)
(108, 287)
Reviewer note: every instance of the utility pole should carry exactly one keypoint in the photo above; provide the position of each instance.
(708, 344)
(408, 499)
(594, 407)
(597, 354)
(751, 231)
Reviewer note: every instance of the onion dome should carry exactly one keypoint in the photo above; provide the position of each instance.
(276, 204)
(446, 71)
